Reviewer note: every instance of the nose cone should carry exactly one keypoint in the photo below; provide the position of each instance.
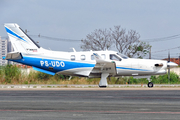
(172, 64)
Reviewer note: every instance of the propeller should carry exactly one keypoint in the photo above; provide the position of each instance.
(168, 67)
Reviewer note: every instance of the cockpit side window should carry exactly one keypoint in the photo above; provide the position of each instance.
(114, 57)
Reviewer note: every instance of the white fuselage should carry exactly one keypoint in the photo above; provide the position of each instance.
(82, 63)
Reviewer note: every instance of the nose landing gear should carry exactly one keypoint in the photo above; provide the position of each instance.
(150, 84)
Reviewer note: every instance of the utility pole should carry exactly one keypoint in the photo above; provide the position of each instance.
(179, 59)
(179, 62)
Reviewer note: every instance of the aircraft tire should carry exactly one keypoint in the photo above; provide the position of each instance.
(150, 84)
(102, 86)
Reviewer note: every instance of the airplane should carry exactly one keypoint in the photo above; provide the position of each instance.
(91, 64)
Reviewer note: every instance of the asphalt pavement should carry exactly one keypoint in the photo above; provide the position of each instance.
(90, 104)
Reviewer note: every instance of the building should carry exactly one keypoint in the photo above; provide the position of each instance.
(5, 47)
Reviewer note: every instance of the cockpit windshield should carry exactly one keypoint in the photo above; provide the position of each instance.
(123, 56)
(114, 57)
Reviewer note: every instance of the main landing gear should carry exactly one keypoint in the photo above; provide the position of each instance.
(103, 82)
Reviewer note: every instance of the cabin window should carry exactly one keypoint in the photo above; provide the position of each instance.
(83, 57)
(103, 56)
(114, 57)
(92, 57)
(73, 57)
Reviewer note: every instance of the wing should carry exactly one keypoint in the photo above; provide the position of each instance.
(103, 66)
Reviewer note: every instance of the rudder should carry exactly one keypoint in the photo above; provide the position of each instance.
(20, 40)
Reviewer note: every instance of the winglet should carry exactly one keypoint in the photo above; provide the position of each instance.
(97, 57)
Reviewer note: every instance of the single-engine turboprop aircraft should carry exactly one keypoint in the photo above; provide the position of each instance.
(101, 64)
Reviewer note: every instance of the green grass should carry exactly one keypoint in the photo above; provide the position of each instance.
(10, 74)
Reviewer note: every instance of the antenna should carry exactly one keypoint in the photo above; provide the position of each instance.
(73, 49)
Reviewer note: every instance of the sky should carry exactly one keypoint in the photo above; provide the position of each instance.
(74, 19)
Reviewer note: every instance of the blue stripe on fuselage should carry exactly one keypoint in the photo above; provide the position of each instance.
(58, 65)
(124, 68)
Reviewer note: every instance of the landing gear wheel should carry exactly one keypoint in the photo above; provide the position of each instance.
(102, 86)
(150, 84)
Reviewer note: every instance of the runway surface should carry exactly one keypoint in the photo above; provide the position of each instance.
(90, 104)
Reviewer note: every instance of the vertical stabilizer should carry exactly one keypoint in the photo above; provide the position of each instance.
(20, 40)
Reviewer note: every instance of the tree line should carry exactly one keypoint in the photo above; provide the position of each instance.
(125, 42)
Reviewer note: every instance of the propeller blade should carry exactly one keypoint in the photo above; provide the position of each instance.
(168, 66)
(169, 74)
(168, 56)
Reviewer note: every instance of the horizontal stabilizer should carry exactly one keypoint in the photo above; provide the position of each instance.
(4, 58)
(44, 71)
(14, 56)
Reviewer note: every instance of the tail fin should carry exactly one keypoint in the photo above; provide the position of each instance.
(20, 40)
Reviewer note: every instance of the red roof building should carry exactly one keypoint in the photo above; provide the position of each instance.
(175, 60)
